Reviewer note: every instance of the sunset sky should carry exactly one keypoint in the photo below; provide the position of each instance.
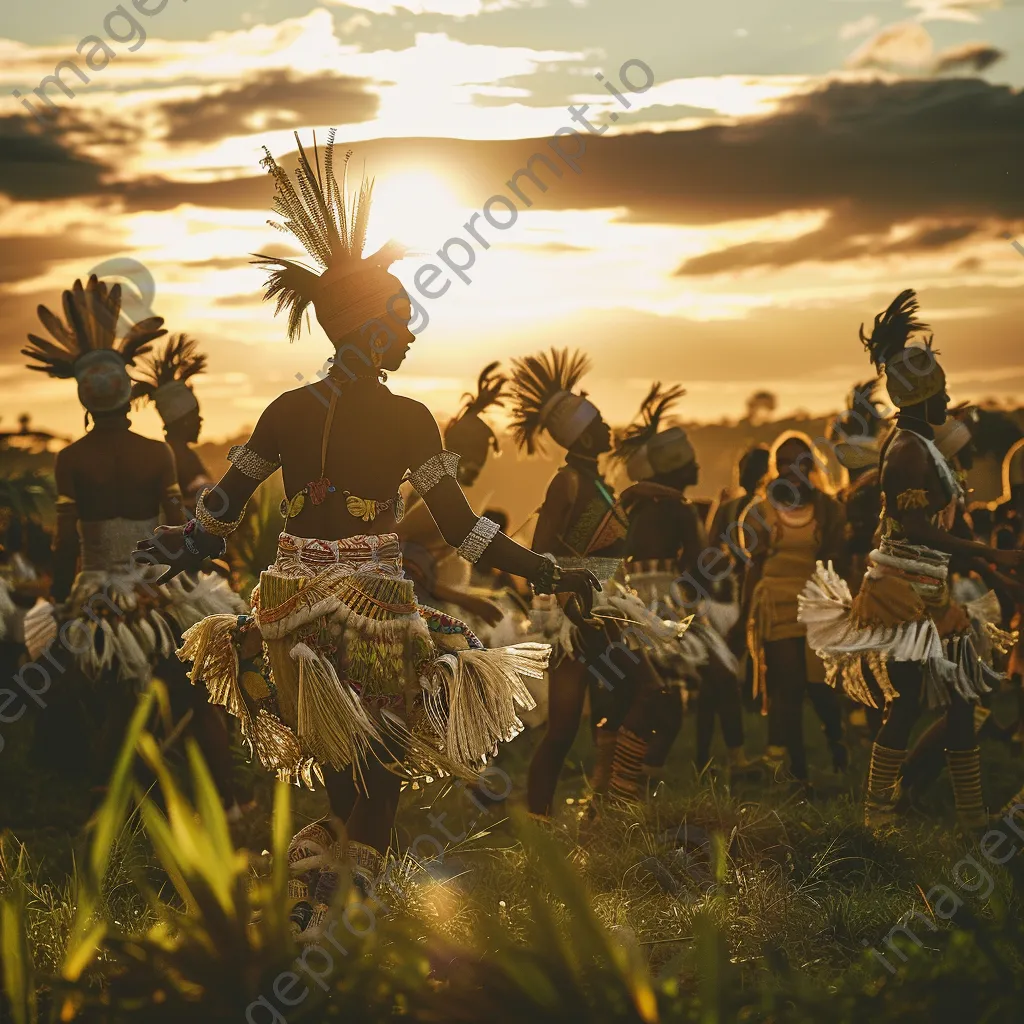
(793, 166)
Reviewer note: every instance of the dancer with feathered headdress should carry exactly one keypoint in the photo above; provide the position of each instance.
(360, 686)
(162, 378)
(666, 538)
(581, 521)
(113, 485)
(903, 624)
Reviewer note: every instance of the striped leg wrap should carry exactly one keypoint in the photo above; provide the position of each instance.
(965, 774)
(628, 766)
(883, 786)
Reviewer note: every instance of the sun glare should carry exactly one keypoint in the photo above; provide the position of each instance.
(417, 208)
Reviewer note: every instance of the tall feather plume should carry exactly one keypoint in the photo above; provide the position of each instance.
(535, 380)
(91, 315)
(652, 408)
(179, 360)
(893, 329)
(330, 226)
(490, 387)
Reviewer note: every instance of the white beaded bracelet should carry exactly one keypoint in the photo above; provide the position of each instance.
(478, 538)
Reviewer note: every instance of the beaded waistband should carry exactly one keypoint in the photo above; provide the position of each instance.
(380, 552)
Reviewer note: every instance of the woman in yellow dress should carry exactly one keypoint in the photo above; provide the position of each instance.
(796, 524)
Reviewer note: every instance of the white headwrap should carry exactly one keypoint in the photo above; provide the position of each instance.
(565, 416)
(174, 400)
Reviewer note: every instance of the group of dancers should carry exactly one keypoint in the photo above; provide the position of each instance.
(399, 637)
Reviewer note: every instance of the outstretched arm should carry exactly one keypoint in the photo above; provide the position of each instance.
(462, 528)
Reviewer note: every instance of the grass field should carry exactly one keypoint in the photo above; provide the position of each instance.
(703, 904)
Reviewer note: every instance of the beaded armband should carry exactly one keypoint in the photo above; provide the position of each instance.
(434, 470)
(210, 523)
(247, 462)
(478, 538)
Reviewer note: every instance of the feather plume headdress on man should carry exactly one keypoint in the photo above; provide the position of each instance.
(543, 399)
(912, 374)
(645, 448)
(348, 292)
(86, 346)
(161, 378)
(469, 434)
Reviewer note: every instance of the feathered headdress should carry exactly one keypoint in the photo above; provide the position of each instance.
(161, 378)
(468, 431)
(348, 291)
(87, 347)
(857, 433)
(644, 448)
(543, 399)
(911, 373)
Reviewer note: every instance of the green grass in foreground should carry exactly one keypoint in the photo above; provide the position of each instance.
(769, 910)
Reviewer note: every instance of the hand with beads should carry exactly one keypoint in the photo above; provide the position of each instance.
(168, 546)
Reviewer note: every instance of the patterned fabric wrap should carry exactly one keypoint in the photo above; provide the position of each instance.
(352, 667)
(116, 620)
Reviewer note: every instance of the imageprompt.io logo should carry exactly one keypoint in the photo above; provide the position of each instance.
(138, 289)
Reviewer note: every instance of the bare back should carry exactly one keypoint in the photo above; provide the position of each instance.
(115, 474)
(374, 438)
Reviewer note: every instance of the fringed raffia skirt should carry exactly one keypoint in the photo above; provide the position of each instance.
(624, 613)
(903, 612)
(338, 663)
(119, 622)
(681, 657)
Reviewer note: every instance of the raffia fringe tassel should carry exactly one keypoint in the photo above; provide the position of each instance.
(949, 665)
(478, 692)
(333, 724)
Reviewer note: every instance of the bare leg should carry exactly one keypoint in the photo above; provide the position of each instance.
(342, 792)
(208, 725)
(787, 681)
(373, 813)
(568, 687)
(666, 710)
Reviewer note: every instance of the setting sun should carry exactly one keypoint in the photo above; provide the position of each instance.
(417, 208)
